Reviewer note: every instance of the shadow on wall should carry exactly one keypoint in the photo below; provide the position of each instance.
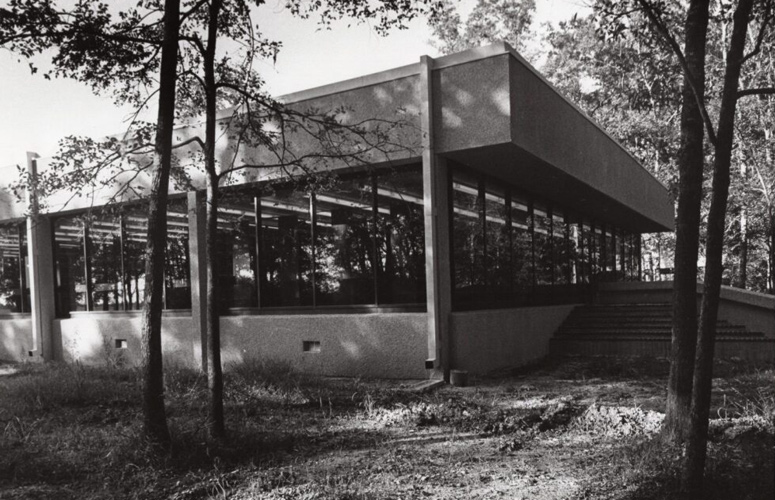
(104, 340)
(387, 345)
(15, 339)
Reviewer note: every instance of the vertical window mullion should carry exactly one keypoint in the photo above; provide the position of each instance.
(531, 226)
(374, 229)
(509, 226)
(570, 261)
(87, 266)
(313, 220)
(259, 264)
(483, 221)
(122, 263)
(22, 228)
(552, 266)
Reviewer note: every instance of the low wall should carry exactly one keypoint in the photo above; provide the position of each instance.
(15, 337)
(115, 337)
(387, 345)
(756, 311)
(484, 341)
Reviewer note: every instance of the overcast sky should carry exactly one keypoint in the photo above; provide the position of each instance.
(36, 112)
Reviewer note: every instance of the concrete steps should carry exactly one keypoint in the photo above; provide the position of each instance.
(646, 329)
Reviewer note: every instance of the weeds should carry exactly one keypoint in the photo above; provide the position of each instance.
(73, 431)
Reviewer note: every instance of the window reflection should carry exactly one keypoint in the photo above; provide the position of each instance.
(236, 251)
(468, 234)
(286, 238)
(14, 289)
(511, 249)
(345, 250)
(400, 237)
(99, 259)
(522, 246)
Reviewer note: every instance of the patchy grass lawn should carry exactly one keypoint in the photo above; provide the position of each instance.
(571, 428)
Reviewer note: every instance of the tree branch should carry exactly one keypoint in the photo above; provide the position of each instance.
(756, 91)
(760, 37)
(662, 30)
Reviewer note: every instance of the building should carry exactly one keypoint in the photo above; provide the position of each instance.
(467, 251)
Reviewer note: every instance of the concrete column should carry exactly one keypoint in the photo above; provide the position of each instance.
(196, 261)
(40, 262)
(437, 251)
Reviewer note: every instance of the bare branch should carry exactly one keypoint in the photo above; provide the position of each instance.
(664, 32)
(756, 91)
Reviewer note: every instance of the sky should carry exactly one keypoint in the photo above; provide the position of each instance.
(36, 113)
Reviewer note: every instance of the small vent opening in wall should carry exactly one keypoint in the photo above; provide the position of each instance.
(120, 343)
(311, 346)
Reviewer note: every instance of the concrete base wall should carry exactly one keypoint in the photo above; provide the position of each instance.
(91, 338)
(484, 341)
(15, 338)
(387, 345)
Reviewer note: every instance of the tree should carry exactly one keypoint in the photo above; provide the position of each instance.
(692, 426)
(220, 82)
(689, 381)
(92, 48)
(490, 21)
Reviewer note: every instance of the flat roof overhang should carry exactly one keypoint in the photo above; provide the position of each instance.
(530, 174)
(495, 113)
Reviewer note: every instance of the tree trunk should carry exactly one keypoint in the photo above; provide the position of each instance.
(742, 277)
(690, 167)
(216, 424)
(154, 415)
(694, 459)
(214, 370)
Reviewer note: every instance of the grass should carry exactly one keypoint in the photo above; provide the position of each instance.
(571, 428)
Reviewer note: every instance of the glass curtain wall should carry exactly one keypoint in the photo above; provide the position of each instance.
(99, 260)
(14, 278)
(511, 249)
(353, 240)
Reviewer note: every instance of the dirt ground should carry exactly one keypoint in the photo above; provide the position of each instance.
(575, 428)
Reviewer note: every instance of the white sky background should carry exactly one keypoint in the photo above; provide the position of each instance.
(35, 113)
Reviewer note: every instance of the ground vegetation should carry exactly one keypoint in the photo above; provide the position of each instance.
(569, 428)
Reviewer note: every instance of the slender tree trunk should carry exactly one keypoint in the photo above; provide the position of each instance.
(154, 415)
(690, 167)
(694, 459)
(214, 369)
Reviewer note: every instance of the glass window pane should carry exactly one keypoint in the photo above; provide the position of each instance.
(468, 241)
(522, 246)
(610, 255)
(14, 292)
(70, 272)
(177, 273)
(575, 248)
(400, 237)
(498, 258)
(286, 248)
(344, 251)
(236, 250)
(104, 249)
(543, 245)
(560, 257)
(601, 253)
(135, 245)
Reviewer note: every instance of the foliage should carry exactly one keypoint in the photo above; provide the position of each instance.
(488, 22)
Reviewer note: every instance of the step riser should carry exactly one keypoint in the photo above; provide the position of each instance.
(628, 321)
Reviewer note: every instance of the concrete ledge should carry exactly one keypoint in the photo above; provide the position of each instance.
(755, 350)
(756, 311)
